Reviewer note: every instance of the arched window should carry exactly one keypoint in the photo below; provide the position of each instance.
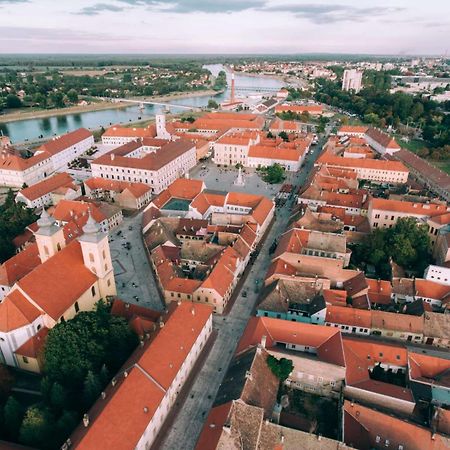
(91, 257)
(58, 246)
(46, 250)
(93, 291)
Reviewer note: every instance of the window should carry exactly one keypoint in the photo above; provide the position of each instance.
(77, 307)
(91, 257)
(93, 291)
(25, 359)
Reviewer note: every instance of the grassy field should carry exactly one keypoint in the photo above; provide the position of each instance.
(443, 165)
(413, 145)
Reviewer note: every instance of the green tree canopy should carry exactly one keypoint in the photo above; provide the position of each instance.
(407, 243)
(280, 367)
(86, 343)
(273, 174)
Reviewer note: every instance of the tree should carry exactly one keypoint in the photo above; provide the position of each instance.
(36, 427)
(91, 389)
(281, 368)
(273, 174)
(126, 77)
(270, 135)
(407, 243)
(86, 343)
(58, 396)
(57, 99)
(283, 135)
(72, 95)
(12, 417)
(12, 101)
(212, 104)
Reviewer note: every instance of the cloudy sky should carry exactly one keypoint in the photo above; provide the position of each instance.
(225, 26)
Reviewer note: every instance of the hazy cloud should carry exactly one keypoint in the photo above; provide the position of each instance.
(99, 8)
(330, 13)
(205, 6)
(5, 2)
(52, 34)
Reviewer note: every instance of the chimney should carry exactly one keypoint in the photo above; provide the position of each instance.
(263, 341)
(112, 157)
(125, 374)
(145, 410)
(103, 395)
(161, 323)
(193, 311)
(86, 420)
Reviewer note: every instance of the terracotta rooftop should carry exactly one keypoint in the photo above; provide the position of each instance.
(56, 284)
(399, 206)
(366, 428)
(60, 143)
(16, 312)
(48, 185)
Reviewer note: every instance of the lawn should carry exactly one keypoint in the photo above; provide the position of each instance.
(443, 165)
(413, 145)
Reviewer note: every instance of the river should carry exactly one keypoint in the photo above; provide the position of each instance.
(32, 129)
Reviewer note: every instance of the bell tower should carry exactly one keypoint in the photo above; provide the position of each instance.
(97, 257)
(49, 237)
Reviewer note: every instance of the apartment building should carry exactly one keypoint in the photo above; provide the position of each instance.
(384, 213)
(378, 170)
(16, 171)
(232, 148)
(66, 148)
(352, 80)
(155, 162)
(119, 135)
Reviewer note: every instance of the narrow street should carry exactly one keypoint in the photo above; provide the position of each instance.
(184, 432)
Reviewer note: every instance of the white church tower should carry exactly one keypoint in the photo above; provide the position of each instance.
(161, 131)
(49, 237)
(97, 256)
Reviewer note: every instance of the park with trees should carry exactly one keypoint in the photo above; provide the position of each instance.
(80, 357)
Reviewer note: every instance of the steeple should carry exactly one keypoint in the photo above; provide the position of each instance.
(92, 231)
(97, 256)
(49, 237)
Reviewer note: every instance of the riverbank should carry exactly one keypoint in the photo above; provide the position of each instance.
(45, 113)
(98, 106)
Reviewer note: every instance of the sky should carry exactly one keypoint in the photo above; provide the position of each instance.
(388, 27)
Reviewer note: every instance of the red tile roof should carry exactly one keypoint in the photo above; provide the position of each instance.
(135, 132)
(65, 141)
(16, 312)
(19, 265)
(299, 108)
(48, 185)
(400, 206)
(33, 346)
(326, 340)
(366, 428)
(56, 284)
